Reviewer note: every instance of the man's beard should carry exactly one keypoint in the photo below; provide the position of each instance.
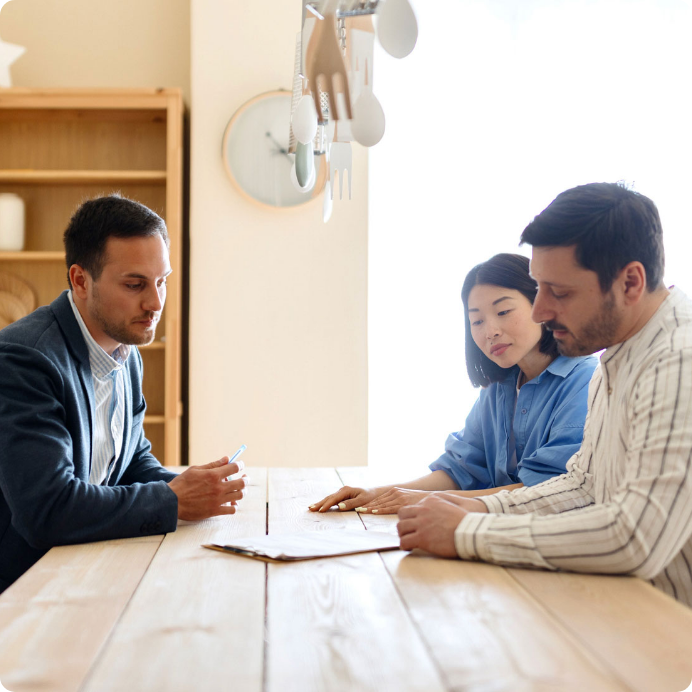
(122, 332)
(596, 335)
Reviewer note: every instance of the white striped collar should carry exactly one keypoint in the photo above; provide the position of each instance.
(102, 363)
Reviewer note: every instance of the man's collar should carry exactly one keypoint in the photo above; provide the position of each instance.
(65, 317)
(675, 295)
(102, 363)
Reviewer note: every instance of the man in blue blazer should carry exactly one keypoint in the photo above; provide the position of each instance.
(75, 465)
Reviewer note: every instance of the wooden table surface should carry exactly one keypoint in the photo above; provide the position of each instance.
(163, 613)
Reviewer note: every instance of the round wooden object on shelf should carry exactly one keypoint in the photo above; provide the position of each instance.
(11, 309)
(18, 288)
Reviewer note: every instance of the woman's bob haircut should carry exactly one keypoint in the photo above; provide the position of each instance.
(508, 271)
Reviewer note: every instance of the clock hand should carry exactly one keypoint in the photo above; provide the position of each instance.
(279, 148)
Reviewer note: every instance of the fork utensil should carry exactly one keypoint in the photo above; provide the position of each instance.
(340, 161)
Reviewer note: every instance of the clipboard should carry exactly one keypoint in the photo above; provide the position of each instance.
(309, 545)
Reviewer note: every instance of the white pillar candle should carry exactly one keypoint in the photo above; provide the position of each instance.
(11, 222)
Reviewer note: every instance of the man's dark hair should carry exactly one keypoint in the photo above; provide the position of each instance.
(97, 220)
(609, 225)
(507, 271)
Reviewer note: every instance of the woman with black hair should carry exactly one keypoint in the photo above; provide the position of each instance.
(529, 418)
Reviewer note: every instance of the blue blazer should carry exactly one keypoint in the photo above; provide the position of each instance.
(46, 417)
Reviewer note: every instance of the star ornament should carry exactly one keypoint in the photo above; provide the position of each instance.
(9, 52)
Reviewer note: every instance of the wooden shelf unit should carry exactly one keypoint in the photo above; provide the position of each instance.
(59, 147)
(36, 177)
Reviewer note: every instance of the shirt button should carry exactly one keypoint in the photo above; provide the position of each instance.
(523, 410)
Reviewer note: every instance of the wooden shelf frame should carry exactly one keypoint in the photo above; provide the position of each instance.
(131, 138)
(70, 177)
(33, 256)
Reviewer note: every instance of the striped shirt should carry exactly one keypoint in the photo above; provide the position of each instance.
(624, 506)
(109, 401)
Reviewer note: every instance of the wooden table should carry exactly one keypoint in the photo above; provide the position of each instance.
(162, 613)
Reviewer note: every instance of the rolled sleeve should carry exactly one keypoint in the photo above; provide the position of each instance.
(464, 459)
(503, 540)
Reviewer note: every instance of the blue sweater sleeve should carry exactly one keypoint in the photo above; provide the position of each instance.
(464, 459)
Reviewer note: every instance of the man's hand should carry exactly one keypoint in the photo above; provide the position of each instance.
(203, 490)
(430, 525)
(468, 503)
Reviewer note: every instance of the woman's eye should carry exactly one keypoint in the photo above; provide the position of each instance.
(476, 323)
(559, 296)
(134, 286)
(504, 312)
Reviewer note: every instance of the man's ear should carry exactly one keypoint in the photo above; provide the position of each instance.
(633, 281)
(79, 278)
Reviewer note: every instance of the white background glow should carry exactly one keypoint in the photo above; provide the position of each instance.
(501, 106)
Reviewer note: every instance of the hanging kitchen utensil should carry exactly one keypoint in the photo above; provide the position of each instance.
(397, 28)
(324, 65)
(368, 122)
(340, 161)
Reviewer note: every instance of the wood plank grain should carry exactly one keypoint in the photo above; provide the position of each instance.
(639, 632)
(197, 619)
(292, 491)
(337, 623)
(56, 618)
(485, 633)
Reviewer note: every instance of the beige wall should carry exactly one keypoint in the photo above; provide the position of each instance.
(99, 43)
(278, 356)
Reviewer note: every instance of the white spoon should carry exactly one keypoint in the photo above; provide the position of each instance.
(367, 126)
(296, 184)
(304, 164)
(304, 121)
(397, 28)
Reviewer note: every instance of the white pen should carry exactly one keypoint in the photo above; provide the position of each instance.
(240, 451)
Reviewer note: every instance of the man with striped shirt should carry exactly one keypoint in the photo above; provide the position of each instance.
(75, 465)
(624, 506)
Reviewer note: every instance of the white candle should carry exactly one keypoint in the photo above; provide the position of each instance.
(11, 222)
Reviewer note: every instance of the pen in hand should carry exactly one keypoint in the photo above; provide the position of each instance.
(241, 449)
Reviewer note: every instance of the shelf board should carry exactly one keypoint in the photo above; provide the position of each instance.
(149, 420)
(33, 255)
(69, 177)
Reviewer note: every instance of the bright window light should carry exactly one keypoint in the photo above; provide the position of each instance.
(501, 106)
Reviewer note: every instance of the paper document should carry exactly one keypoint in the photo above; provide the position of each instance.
(310, 544)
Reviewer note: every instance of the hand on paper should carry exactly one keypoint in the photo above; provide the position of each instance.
(346, 498)
(203, 491)
(430, 524)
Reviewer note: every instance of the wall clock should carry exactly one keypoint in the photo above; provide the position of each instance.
(256, 157)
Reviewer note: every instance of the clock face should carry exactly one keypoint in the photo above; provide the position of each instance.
(255, 152)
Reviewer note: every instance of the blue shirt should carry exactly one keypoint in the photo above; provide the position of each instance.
(544, 428)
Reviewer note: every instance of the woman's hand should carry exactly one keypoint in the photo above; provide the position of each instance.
(346, 498)
(392, 500)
